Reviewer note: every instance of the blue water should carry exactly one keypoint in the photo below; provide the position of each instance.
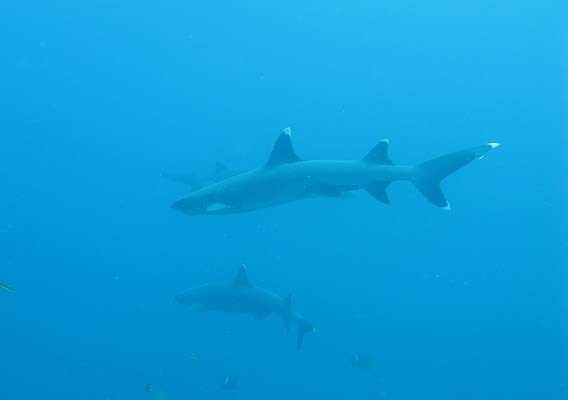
(98, 99)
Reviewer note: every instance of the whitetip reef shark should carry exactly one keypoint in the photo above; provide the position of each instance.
(285, 178)
(240, 296)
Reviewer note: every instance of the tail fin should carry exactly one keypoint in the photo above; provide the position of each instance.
(287, 312)
(303, 327)
(431, 173)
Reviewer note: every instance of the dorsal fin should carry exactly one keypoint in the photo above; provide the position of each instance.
(220, 167)
(379, 154)
(283, 151)
(242, 277)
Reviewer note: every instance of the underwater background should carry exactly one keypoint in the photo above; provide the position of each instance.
(100, 99)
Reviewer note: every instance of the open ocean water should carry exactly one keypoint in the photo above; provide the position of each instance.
(100, 100)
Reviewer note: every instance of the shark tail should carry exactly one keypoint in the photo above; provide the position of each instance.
(303, 327)
(287, 314)
(430, 173)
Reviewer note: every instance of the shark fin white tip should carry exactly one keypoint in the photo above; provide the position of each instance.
(494, 145)
(447, 207)
(287, 131)
(387, 141)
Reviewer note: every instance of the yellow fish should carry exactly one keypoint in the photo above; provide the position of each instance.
(7, 288)
(194, 357)
(156, 392)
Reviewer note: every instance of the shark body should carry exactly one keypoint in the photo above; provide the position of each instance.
(240, 296)
(286, 178)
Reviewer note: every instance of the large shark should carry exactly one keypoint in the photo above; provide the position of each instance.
(285, 178)
(240, 296)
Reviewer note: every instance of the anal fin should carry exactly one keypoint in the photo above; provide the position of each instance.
(379, 191)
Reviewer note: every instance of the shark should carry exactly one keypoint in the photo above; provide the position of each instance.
(285, 177)
(240, 296)
(196, 182)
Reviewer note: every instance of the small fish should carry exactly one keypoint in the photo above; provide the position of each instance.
(155, 392)
(361, 361)
(230, 383)
(194, 356)
(7, 288)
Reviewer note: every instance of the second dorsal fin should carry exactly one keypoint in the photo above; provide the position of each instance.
(283, 151)
(242, 277)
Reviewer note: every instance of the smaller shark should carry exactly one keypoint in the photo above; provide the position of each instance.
(231, 382)
(240, 296)
(361, 361)
(196, 182)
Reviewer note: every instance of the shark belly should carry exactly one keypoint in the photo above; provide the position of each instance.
(256, 192)
(291, 182)
(238, 299)
(264, 188)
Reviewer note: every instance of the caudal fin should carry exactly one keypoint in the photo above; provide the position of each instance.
(287, 312)
(431, 173)
(303, 327)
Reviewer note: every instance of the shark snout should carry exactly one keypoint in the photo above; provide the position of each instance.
(182, 206)
(176, 205)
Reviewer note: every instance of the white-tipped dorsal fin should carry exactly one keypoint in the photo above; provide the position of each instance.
(379, 154)
(283, 151)
(494, 145)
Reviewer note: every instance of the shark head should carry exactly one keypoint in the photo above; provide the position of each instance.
(192, 205)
